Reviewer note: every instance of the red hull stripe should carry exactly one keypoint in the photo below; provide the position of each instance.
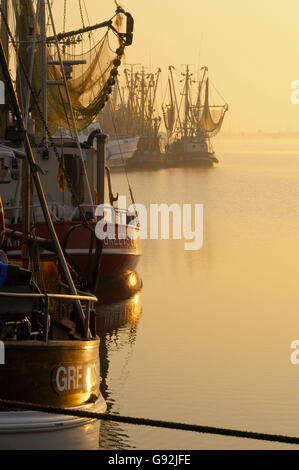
(80, 251)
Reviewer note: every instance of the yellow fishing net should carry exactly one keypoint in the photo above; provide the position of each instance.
(211, 117)
(89, 86)
(169, 116)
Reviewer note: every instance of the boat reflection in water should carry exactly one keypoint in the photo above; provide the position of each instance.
(117, 326)
(118, 315)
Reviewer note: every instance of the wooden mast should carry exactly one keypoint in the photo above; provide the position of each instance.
(4, 39)
(186, 102)
(175, 97)
(37, 181)
(44, 67)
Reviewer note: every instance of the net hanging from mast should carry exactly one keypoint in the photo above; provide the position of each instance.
(202, 119)
(89, 85)
(94, 80)
(211, 117)
(169, 114)
(169, 118)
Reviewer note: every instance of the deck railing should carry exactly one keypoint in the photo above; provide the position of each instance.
(89, 299)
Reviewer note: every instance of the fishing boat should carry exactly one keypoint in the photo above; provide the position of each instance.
(150, 152)
(49, 336)
(131, 116)
(192, 123)
(116, 121)
(73, 90)
(143, 88)
(118, 148)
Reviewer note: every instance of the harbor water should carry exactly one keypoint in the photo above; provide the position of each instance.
(208, 340)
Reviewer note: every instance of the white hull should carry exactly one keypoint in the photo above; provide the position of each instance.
(31, 430)
(120, 150)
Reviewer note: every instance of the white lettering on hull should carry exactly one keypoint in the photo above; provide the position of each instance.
(70, 378)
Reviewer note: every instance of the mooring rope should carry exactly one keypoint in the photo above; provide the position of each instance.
(152, 422)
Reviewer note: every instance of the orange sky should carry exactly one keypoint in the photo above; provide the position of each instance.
(251, 49)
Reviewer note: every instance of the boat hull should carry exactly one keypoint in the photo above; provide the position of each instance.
(204, 159)
(57, 373)
(117, 289)
(148, 161)
(31, 430)
(118, 151)
(61, 374)
(168, 160)
(118, 255)
(189, 151)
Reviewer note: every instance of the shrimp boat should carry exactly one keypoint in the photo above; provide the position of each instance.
(62, 94)
(143, 88)
(116, 121)
(192, 123)
(48, 336)
(131, 112)
(120, 150)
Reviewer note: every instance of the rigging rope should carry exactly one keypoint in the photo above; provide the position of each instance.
(81, 13)
(122, 158)
(64, 16)
(123, 161)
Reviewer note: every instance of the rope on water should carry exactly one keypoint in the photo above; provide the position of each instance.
(152, 422)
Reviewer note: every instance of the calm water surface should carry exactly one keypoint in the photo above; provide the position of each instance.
(208, 341)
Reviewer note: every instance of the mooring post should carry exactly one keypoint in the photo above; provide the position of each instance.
(101, 169)
(101, 164)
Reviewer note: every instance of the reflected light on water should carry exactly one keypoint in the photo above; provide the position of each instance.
(135, 310)
(213, 345)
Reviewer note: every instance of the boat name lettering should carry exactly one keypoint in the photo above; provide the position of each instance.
(69, 378)
(13, 243)
(119, 242)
